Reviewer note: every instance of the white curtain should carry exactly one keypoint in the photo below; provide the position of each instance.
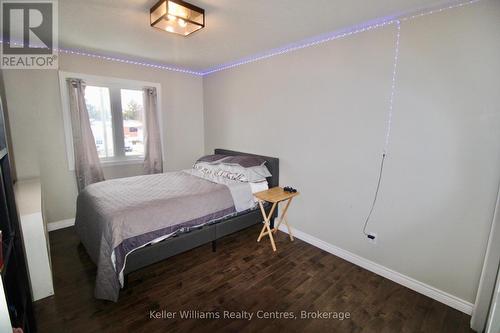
(153, 161)
(87, 165)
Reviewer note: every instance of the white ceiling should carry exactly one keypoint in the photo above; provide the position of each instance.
(234, 28)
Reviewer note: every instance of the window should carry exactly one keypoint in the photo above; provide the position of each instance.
(133, 121)
(99, 109)
(116, 114)
(116, 118)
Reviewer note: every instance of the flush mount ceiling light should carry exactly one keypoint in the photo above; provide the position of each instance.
(177, 16)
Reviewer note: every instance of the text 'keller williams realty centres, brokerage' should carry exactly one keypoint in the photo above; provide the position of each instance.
(247, 315)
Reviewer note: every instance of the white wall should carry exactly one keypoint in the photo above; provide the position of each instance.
(36, 121)
(322, 111)
(23, 120)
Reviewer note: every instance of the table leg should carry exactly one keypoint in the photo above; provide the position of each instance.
(283, 218)
(265, 219)
(289, 229)
(270, 236)
(266, 230)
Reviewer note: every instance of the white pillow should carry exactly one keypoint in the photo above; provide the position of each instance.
(258, 187)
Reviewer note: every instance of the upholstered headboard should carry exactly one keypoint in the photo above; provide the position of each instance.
(273, 164)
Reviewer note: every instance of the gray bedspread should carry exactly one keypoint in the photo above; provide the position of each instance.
(117, 216)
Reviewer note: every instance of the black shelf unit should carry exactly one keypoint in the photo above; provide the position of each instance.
(14, 272)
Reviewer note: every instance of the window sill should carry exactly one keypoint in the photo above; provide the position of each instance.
(125, 161)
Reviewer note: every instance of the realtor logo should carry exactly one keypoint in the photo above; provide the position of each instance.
(29, 34)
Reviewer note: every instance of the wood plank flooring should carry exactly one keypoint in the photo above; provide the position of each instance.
(242, 275)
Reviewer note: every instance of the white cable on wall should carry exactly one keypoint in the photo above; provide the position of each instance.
(388, 126)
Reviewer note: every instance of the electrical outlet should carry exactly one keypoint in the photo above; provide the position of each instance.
(373, 238)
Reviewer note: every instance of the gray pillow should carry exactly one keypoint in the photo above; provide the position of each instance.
(211, 158)
(243, 160)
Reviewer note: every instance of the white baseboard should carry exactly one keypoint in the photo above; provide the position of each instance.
(420, 287)
(51, 226)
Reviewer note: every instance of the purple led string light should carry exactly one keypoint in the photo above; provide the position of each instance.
(439, 10)
(297, 46)
(289, 48)
(121, 60)
(337, 35)
(388, 131)
(132, 62)
(393, 87)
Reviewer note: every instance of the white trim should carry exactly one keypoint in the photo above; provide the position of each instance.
(108, 82)
(51, 226)
(486, 289)
(122, 161)
(420, 287)
(37, 255)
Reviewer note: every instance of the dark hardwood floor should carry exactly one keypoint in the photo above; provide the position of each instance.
(242, 275)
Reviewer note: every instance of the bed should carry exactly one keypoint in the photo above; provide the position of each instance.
(130, 223)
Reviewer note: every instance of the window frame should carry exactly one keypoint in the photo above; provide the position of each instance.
(114, 85)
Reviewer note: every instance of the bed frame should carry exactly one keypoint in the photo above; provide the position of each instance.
(154, 253)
